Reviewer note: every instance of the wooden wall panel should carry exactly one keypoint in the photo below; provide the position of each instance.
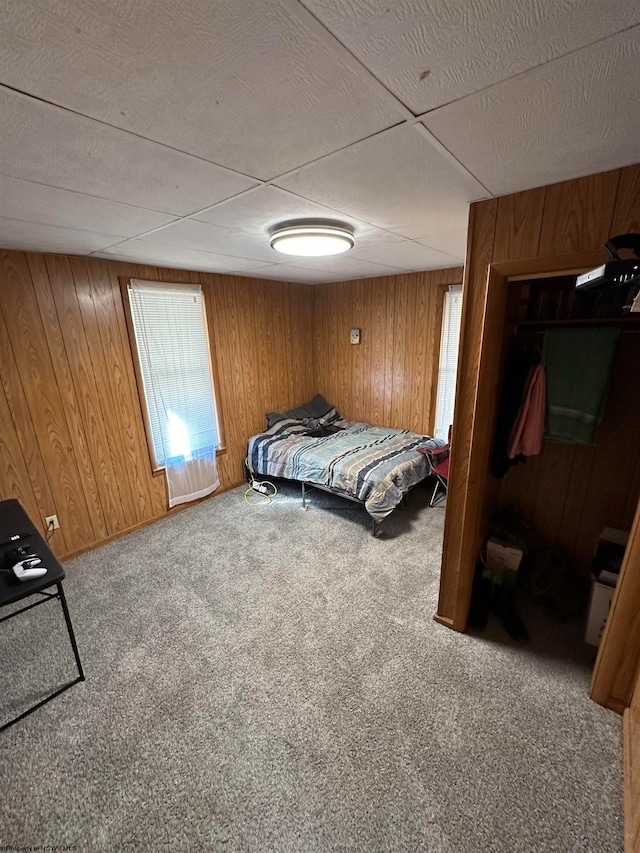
(81, 367)
(303, 379)
(550, 500)
(72, 438)
(259, 360)
(46, 302)
(259, 386)
(626, 215)
(14, 476)
(571, 496)
(577, 214)
(115, 357)
(361, 394)
(423, 374)
(44, 400)
(389, 377)
(230, 358)
(401, 371)
(518, 225)
(22, 424)
(514, 489)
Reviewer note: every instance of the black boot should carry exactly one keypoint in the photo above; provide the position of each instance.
(504, 606)
(480, 600)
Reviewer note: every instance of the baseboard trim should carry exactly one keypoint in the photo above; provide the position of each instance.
(444, 620)
(71, 554)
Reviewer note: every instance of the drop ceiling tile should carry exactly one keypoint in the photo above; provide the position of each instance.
(571, 117)
(51, 206)
(259, 211)
(210, 238)
(409, 255)
(398, 180)
(201, 236)
(290, 272)
(432, 52)
(452, 241)
(259, 86)
(36, 237)
(159, 254)
(344, 266)
(52, 146)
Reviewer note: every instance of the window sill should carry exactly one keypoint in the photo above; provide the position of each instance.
(157, 472)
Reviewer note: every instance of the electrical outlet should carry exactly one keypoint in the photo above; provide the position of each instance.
(52, 522)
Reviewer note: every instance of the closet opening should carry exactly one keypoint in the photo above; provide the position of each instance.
(564, 459)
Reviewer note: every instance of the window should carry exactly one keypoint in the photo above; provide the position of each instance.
(170, 330)
(448, 360)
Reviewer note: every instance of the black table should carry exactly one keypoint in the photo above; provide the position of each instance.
(15, 521)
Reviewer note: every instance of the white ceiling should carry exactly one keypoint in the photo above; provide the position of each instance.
(180, 132)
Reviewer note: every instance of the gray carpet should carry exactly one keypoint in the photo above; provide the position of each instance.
(268, 679)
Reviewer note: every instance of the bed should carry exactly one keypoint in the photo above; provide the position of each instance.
(374, 466)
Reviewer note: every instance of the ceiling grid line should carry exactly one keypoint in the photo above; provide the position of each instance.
(122, 129)
(526, 71)
(409, 112)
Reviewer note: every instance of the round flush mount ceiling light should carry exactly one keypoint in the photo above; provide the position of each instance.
(312, 239)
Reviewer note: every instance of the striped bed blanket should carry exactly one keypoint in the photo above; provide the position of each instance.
(375, 465)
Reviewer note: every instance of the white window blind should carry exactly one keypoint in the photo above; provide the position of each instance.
(171, 336)
(448, 360)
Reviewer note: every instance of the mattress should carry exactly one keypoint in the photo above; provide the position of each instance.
(375, 465)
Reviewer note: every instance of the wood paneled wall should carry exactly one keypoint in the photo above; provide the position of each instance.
(389, 377)
(72, 438)
(71, 432)
(530, 232)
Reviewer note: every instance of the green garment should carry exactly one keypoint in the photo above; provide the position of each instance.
(577, 363)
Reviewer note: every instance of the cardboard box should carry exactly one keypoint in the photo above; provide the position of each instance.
(503, 561)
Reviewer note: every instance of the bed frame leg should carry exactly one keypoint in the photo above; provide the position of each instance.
(304, 497)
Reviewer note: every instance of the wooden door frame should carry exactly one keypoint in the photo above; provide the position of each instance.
(617, 667)
(472, 492)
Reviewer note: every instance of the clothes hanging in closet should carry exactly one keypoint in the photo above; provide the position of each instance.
(528, 429)
(578, 363)
(519, 363)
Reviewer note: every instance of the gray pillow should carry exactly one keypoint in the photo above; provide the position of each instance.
(274, 417)
(287, 426)
(316, 408)
(315, 413)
